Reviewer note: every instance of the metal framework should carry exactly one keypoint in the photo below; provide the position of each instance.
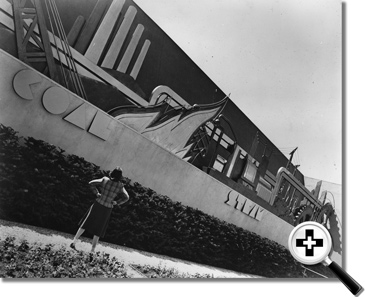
(26, 29)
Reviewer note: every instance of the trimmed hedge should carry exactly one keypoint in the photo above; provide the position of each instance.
(41, 185)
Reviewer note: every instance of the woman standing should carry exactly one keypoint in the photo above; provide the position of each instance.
(97, 217)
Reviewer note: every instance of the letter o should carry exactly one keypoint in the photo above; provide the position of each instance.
(55, 100)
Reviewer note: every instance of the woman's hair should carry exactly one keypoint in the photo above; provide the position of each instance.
(116, 174)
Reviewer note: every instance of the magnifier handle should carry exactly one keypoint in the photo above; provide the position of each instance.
(347, 280)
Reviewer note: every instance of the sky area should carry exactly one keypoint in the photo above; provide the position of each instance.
(281, 63)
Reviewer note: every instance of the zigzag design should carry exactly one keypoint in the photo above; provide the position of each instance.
(170, 127)
(328, 215)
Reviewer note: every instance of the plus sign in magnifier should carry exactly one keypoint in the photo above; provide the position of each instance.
(310, 243)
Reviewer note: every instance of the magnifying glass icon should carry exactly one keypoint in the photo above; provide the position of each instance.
(310, 243)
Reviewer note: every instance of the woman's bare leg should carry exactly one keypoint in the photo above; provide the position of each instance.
(78, 234)
(95, 242)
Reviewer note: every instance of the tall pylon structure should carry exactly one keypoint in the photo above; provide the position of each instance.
(29, 24)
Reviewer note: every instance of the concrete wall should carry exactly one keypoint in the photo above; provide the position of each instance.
(142, 160)
(167, 64)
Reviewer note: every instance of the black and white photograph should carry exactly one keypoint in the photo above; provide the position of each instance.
(155, 139)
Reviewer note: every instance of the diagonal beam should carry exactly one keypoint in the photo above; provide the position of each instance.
(30, 31)
(101, 37)
(83, 65)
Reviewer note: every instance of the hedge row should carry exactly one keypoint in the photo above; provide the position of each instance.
(42, 186)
